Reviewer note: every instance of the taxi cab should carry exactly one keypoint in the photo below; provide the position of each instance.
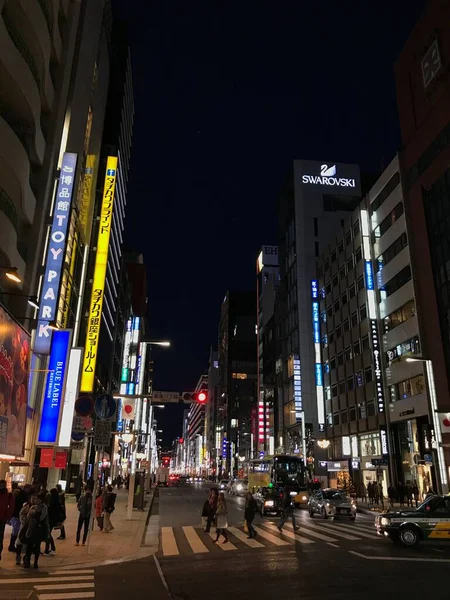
(430, 521)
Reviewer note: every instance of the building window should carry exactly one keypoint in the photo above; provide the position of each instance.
(391, 252)
(336, 419)
(342, 272)
(346, 324)
(317, 250)
(363, 312)
(399, 316)
(359, 379)
(350, 383)
(328, 393)
(340, 359)
(342, 387)
(333, 256)
(330, 311)
(350, 263)
(360, 283)
(352, 411)
(397, 281)
(388, 221)
(352, 291)
(365, 343)
(356, 348)
(411, 346)
(344, 416)
(327, 264)
(354, 319)
(348, 238)
(330, 419)
(358, 255)
(368, 376)
(410, 387)
(337, 305)
(370, 444)
(334, 390)
(348, 353)
(338, 331)
(371, 412)
(328, 288)
(333, 363)
(240, 376)
(344, 298)
(335, 280)
(362, 411)
(355, 228)
(331, 337)
(341, 246)
(385, 192)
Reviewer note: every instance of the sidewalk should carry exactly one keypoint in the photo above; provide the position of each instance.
(123, 542)
(368, 508)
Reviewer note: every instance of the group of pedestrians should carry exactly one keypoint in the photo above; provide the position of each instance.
(373, 493)
(408, 492)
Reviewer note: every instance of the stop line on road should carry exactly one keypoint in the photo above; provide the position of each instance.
(78, 584)
(176, 541)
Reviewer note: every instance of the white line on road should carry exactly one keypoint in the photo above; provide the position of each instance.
(359, 533)
(70, 596)
(76, 572)
(312, 533)
(335, 533)
(64, 586)
(401, 558)
(333, 545)
(194, 541)
(228, 546)
(243, 538)
(168, 542)
(271, 538)
(293, 536)
(46, 579)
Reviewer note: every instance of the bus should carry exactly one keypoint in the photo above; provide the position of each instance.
(278, 471)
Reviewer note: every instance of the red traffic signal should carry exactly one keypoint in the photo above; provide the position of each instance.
(200, 397)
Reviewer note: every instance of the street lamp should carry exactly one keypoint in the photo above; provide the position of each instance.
(164, 343)
(12, 274)
(32, 300)
(434, 415)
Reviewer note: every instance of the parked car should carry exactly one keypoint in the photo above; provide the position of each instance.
(332, 503)
(223, 484)
(239, 487)
(269, 500)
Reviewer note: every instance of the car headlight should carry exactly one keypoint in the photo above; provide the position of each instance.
(293, 493)
(327, 504)
(239, 487)
(385, 521)
(304, 498)
(268, 503)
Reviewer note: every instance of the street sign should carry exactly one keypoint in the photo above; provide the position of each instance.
(105, 406)
(81, 424)
(102, 433)
(84, 406)
(166, 397)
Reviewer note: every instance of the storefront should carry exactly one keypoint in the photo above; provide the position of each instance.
(374, 465)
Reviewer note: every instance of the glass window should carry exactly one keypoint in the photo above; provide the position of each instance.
(337, 305)
(344, 298)
(397, 281)
(409, 347)
(368, 375)
(330, 311)
(358, 254)
(352, 411)
(352, 291)
(346, 324)
(350, 383)
(332, 363)
(331, 337)
(356, 348)
(359, 379)
(333, 256)
(338, 331)
(340, 358)
(399, 316)
(388, 221)
(344, 416)
(327, 264)
(360, 283)
(328, 392)
(342, 272)
(341, 246)
(371, 408)
(329, 419)
(363, 312)
(350, 264)
(362, 411)
(354, 319)
(348, 353)
(410, 387)
(336, 419)
(385, 192)
(328, 288)
(391, 252)
(342, 387)
(335, 280)
(365, 343)
(348, 238)
(334, 390)
(370, 444)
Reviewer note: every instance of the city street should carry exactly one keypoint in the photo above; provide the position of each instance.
(324, 559)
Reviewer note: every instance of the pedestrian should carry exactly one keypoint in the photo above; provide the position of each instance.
(99, 509)
(409, 493)
(36, 530)
(391, 494)
(85, 508)
(416, 492)
(21, 540)
(401, 493)
(109, 501)
(90, 483)
(43, 490)
(221, 519)
(62, 500)
(212, 508)
(55, 518)
(251, 508)
(6, 510)
(20, 498)
(78, 487)
(376, 492)
(363, 493)
(119, 482)
(288, 510)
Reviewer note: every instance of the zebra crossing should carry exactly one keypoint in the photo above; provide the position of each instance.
(78, 584)
(176, 541)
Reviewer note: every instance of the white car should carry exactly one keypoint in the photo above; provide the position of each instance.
(239, 487)
(223, 485)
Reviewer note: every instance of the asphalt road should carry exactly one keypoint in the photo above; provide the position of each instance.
(326, 560)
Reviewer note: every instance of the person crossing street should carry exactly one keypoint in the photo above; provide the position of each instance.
(288, 510)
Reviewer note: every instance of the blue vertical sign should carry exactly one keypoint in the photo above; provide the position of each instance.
(315, 310)
(55, 254)
(315, 289)
(54, 387)
(369, 275)
(319, 375)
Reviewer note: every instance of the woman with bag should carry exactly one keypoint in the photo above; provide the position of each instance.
(212, 508)
(221, 519)
(36, 530)
(109, 502)
(99, 509)
(55, 518)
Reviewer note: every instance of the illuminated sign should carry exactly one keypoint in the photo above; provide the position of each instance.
(328, 177)
(377, 365)
(369, 275)
(316, 326)
(98, 284)
(55, 254)
(54, 386)
(224, 448)
(319, 376)
(87, 197)
(314, 289)
(298, 401)
(70, 395)
(384, 442)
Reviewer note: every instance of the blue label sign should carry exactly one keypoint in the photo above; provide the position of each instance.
(369, 275)
(54, 386)
(316, 326)
(315, 289)
(319, 376)
(55, 254)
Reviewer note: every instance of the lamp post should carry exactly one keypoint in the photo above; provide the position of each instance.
(436, 425)
(12, 274)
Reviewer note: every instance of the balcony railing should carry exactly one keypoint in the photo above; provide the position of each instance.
(21, 47)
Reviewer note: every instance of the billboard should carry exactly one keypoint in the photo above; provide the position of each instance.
(55, 254)
(14, 376)
(330, 178)
(98, 284)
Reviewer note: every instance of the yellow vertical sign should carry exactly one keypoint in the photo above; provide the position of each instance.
(98, 284)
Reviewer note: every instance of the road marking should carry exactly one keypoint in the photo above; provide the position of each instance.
(401, 558)
(314, 534)
(45, 579)
(64, 586)
(243, 538)
(268, 536)
(293, 536)
(70, 596)
(168, 542)
(336, 533)
(333, 545)
(359, 533)
(79, 572)
(194, 541)
(228, 546)
(437, 550)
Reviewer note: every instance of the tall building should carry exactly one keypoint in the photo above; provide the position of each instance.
(237, 386)
(423, 91)
(196, 431)
(313, 205)
(264, 418)
(212, 448)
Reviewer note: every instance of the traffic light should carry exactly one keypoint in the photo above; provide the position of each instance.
(200, 397)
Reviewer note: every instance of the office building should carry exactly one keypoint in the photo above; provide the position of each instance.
(212, 448)
(196, 431)
(423, 91)
(314, 204)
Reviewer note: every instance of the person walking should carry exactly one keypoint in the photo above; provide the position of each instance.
(288, 510)
(23, 517)
(109, 507)
(363, 493)
(85, 508)
(36, 529)
(21, 496)
(55, 518)
(211, 509)
(409, 494)
(251, 508)
(401, 493)
(99, 509)
(78, 487)
(221, 519)
(391, 494)
(62, 500)
(416, 492)
(6, 510)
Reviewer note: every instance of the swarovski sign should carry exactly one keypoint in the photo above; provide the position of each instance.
(328, 177)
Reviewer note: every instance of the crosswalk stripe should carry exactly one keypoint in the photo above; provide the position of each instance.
(64, 586)
(76, 572)
(46, 579)
(290, 534)
(314, 534)
(228, 546)
(168, 542)
(268, 536)
(243, 538)
(326, 529)
(364, 528)
(70, 596)
(194, 541)
(359, 533)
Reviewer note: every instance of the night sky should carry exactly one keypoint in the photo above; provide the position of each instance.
(226, 95)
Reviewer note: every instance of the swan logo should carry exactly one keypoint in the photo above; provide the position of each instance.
(328, 177)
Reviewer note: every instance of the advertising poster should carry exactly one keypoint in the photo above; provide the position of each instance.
(46, 461)
(14, 371)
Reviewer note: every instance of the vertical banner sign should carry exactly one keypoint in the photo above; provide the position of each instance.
(377, 365)
(70, 395)
(54, 387)
(46, 461)
(55, 255)
(318, 354)
(98, 284)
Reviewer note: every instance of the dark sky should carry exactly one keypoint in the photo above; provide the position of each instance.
(226, 95)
